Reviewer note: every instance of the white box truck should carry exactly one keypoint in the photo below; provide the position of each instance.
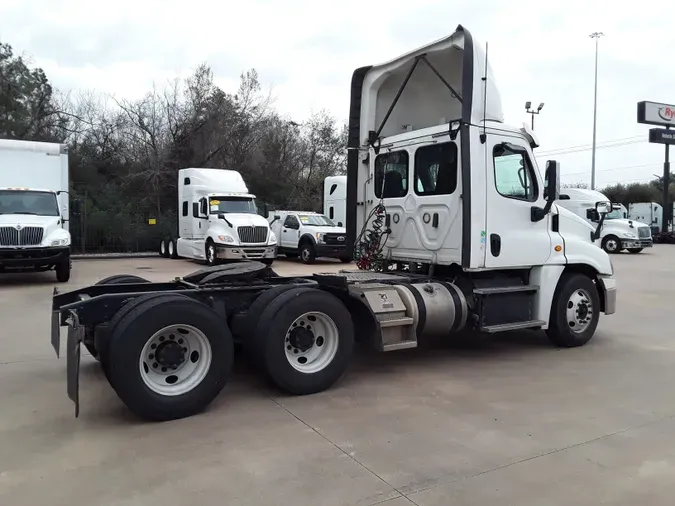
(218, 220)
(616, 233)
(34, 213)
(444, 200)
(335, 199)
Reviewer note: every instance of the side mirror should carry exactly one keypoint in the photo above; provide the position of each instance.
(203, 210)
(552, 187)
(221, 216)
(277, 217)
(592, 215)
(603, 207)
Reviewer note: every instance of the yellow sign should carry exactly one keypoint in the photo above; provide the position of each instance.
(152, 221)
(215, 202)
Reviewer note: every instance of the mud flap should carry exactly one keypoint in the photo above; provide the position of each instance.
(56, 333)
(75, 336)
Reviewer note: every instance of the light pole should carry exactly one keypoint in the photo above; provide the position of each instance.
(596, 36)
(532, 112)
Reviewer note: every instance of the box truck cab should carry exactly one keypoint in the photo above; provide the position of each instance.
(650, 213)
(617, 233)
(34, 233)
(335, 199)
(218, 220)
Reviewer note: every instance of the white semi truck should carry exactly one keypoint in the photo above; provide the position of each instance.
(445, 204)
(218, 220)
(34, 214)
(616, 232)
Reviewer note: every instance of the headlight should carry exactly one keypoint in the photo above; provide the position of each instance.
(273, 238)
(225, 238)
(319, 237)
(60, 242)
(630, 235)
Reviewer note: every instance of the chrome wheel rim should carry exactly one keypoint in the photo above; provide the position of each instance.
(611, 245)
(579, 311)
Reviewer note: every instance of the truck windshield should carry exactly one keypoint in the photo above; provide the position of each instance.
(614, 215)
(316, 220)
(28, 202)
(245, 205)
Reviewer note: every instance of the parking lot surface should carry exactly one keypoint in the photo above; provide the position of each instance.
(480, 420)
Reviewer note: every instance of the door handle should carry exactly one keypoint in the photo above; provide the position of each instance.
(434, 221)
(495, 244)
(200, 224)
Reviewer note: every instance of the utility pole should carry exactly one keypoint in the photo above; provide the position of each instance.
(532, 112)
(596, 36)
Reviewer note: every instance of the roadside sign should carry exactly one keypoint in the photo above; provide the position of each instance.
(661, 136)
(656, 113)
(152, 221)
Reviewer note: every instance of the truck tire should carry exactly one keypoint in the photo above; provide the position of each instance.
(611, 244)
(63, 272)
(635, 250)
(119, 279)
(210, 254)
(163, 248)
(307, 253)
(169, 357)
(305, 340)
(172, 253)
(575, 311)
(240, 271)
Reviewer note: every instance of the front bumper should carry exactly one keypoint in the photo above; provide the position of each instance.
(33, 257)
(331, 250)
(608, 287)
(245, 252)
(636, 243)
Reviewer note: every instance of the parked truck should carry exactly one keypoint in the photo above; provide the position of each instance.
(616, 232)
(445, 204)
(309, 236)
(34, 214)
(218, 220)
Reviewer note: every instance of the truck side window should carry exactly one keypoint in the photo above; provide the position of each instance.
(291, 222)
(391, 175)
(332, 189)
(185, 208)
(436, 169)
(514, 175)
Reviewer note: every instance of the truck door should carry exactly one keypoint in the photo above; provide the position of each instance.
(289, 232)
(514, 186)
(200, 224)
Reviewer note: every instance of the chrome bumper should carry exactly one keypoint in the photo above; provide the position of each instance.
(608, 287)
(636, 243)
(245, 252)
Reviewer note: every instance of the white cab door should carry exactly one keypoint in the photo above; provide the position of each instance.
(513, 188)
(290, 231)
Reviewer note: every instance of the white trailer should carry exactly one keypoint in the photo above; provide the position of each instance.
(34, 214)
(335, 199)
(650, 213)
(218, 220)
(616, 232)
(447, 206)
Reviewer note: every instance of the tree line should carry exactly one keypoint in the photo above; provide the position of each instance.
(124, 154)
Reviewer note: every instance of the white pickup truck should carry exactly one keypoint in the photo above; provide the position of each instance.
(309, 235)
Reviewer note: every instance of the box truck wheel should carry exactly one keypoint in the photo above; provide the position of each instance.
(575, 311)
(305, 340)
(611, 244)
(63, 272)
(169, 357)
(211, 258)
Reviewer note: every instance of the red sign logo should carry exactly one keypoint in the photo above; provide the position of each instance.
(666, 113)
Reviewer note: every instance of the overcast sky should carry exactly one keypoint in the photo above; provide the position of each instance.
(306, 51)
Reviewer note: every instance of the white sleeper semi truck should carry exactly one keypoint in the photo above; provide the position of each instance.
(452, 223)
(616, 232)
(34, 214)
(218, 220)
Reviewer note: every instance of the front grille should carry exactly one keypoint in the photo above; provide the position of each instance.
(252, 235)
(644, 232)
(27, 236)
(334, 239)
